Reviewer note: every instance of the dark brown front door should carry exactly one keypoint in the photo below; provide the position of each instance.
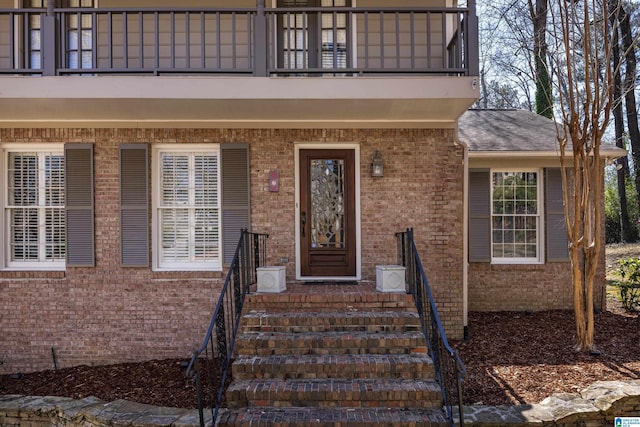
(327, 213)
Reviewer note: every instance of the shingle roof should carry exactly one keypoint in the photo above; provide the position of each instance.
(511, 131)
(507, 130)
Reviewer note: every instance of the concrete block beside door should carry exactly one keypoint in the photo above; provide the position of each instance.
(272, 279)
(390, 278)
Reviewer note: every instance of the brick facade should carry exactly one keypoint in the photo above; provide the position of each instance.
(508, 287)
(110, 314)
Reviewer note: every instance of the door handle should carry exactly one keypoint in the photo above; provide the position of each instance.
(303, 222)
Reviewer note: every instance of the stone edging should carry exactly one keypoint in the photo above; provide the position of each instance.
(17, 410)
(597, 405)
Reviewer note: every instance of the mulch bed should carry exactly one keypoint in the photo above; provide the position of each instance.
(520, 358)
(511, 358)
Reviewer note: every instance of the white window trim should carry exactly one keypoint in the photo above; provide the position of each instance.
(156, 197)
(5, 230)
(540, 243)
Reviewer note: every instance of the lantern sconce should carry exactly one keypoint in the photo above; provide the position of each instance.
(377, 168)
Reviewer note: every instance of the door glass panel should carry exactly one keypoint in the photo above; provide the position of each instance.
(327, 203)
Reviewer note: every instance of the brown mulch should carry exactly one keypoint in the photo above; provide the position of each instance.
(511, 358)
(156, 382)
(520, 358)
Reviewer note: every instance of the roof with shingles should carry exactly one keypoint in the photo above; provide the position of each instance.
(516, 131)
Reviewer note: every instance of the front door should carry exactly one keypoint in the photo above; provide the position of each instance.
(327, 213)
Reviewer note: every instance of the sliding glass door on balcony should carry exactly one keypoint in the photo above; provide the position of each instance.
(312, 39)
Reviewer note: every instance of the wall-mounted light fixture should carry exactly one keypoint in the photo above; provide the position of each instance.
(377, 168)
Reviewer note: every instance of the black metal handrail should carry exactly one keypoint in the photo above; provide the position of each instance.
(215, 354)
(449, 368)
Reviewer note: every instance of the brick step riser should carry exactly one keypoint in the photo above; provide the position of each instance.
(297, 329)
(325, 371)
(329, 320)
(419, 400)
(270, 346)
(343, 300)
(283, 307)
(301, 351)
(328, 395)
(358, 417)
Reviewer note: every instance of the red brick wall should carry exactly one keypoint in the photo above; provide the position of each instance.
(110, 314)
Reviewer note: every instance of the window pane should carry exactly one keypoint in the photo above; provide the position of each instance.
(55, 234)
(514, 213)
(36, 207)
(72, 40)
(206, 180)
(175, 179)
(188, 209)
(175, 235)
(87, 38)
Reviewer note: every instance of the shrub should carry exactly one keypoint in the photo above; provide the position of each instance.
(629, 284)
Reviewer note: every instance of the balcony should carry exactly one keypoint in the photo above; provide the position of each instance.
(293, 66)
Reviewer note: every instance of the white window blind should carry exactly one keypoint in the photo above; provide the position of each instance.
(188, 210)
(35, 210)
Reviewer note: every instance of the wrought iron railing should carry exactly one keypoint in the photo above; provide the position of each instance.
(210, 364)
(449, 368)
(258, 41)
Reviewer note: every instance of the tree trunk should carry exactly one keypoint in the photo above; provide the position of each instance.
(544, 101)
(586, 102)
(629, 48)
(626, 231)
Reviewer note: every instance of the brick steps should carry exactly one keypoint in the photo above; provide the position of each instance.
(358, 342)
(343, 301)
(311, 321)
(407, 366)
(361, 393)
(331, 417)
(347, 357)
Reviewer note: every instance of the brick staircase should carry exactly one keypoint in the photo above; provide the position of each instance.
(332, 356)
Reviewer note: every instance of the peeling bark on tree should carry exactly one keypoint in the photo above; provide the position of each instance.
(586, 100)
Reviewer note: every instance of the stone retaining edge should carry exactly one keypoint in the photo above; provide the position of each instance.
(35, 411)
(595, 406)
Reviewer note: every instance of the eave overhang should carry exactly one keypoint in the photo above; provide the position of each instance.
(538, 158)
(238, 102)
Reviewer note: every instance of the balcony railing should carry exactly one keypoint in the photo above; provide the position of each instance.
(259, 41)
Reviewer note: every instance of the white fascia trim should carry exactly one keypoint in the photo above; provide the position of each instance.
(612, 153)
